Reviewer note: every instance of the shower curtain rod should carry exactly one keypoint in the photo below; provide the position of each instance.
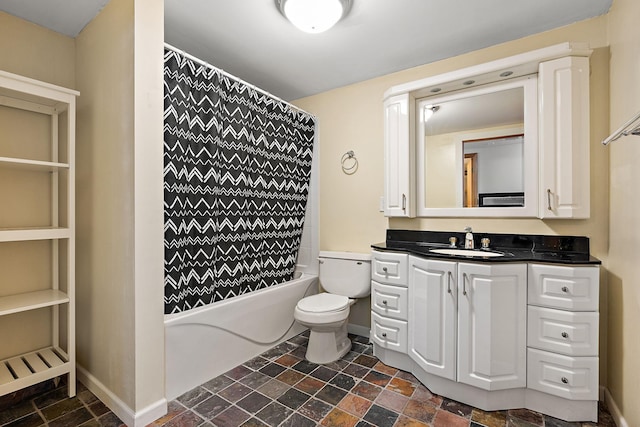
(632, 127)
(239, 80)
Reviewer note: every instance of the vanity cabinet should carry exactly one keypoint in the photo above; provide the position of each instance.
(37, 245)
(399, 155)
(467, 322)
(564, 138)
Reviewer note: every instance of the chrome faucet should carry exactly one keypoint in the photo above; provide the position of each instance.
(468, 238)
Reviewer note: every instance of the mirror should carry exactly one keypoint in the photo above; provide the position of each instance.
(477, 151)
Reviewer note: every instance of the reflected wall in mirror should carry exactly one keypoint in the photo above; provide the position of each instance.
(474, 148)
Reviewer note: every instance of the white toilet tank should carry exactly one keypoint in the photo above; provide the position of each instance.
(345, 273)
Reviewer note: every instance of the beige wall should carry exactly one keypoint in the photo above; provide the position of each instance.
(624, 276)
(119, 212)
(351, 119)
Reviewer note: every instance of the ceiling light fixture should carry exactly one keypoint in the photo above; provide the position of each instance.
(314, 16)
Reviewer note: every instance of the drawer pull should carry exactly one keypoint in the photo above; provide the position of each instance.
(384, 335)
(565, 289)
(449, 278)
(564, 380)
(565, 335)
(384, 269)
(464, 283)
(384, 302)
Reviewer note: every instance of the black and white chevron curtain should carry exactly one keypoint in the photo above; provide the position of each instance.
(237, 165)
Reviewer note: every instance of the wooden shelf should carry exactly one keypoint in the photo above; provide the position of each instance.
(32, 165)
(31, 368)
(24, 234)
(31, 301)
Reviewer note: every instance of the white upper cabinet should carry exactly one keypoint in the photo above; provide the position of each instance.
(507, 138)
(399, 152)
(564, 138)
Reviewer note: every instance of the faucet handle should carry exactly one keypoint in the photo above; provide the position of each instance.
(453, 241)
(485, 242)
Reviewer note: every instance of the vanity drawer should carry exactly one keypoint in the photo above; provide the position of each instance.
(389, 268)
(389, 301)
(567, 288)
(566, 332)
(569, 377)
(389, 333)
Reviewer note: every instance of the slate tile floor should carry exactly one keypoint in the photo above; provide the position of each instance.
(281, 388)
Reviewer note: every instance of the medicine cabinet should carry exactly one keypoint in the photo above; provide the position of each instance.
(508, 138)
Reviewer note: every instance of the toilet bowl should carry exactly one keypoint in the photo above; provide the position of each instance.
(345, 276)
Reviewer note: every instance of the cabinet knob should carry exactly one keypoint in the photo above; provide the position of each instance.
(384, 269)
(564, 380)
(384, 335)
(565, 289)
(565, 335)
(384, 301)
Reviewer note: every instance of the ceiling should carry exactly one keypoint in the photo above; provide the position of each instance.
(252, 40)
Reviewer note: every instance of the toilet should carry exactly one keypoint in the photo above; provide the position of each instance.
(345, 276)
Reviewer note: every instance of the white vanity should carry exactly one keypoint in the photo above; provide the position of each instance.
(514, 333)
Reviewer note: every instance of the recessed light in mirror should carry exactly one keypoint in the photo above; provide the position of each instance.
(506, 74)
(469, 82)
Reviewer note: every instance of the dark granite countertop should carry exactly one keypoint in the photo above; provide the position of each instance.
(515, 247)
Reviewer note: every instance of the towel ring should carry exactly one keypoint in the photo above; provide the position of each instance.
(349, 163)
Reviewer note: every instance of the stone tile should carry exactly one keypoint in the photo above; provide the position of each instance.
(299, 352)
(404, 421)
(297, 420)
(293, 398)
(74, 418)
(359, 348)
(235, 392)
(86, 397)
(287, 360)
(323, 373)
(401, 386)
(194, 396)
(238, 372)
(350, 356)
(355, 370)
(407, 376)
(272, 369)
(380, 416)
(218, 383)
(315, 409)
(274, 414)
(255, 379)
(369, 351)
(61, 408)
(555, 422)
(364, 424)
(422, 394)
(290, 376)
(231, 417)
(253, 402)
(377, 378)
(299, 340)
(366, 390)
(30, 420)
(365, 360)
(111, 420)
(254, 422)
(360, 338)
(98, 408)
(338, 365)
(211, 407)
(339, 418)
(310, 385)
(279, 350)
(51, 397)
(355, 405)
(95, 423)
(457, 408)
(531, 417)
(445, 418)
(390, 400)
(517, 422)
(17, 411)
(381, 367)
(305, 366)
(489, 419)
(421, 411)
(256, 363)
(343, 381)
(331, 394)
(273, 388)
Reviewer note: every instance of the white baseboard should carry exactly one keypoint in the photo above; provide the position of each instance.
(363, 331)
(122, 410)
(614, 410)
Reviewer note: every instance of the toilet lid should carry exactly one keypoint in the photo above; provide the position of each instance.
(322, 303)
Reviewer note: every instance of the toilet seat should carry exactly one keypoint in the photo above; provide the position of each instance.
(323, 303)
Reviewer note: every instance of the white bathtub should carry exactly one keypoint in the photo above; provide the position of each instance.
(205, 342)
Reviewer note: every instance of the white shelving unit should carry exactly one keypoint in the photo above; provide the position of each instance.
(48, 159)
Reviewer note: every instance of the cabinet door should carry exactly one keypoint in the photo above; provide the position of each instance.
(564, 138)
(432, 315)
(492, 333)
(399, 156)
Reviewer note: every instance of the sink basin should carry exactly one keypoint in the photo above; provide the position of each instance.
(466, 252)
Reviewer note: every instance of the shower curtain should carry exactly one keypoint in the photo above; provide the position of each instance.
(237, 165)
